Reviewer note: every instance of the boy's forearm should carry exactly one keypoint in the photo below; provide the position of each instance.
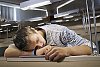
(79, 50)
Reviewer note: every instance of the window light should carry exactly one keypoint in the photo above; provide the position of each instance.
(36, 3)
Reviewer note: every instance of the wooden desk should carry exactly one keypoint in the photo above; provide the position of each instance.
(78, 61)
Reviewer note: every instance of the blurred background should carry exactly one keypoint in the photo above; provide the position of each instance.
(79, 15)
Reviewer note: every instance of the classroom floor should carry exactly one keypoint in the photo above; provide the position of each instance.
(5, 42)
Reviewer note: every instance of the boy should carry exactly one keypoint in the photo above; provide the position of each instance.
(54, 41)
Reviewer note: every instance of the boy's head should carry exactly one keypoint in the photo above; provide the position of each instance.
(28, 38)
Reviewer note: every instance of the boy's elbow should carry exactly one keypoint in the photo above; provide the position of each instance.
(7, 53)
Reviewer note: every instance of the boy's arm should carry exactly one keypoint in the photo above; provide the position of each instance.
(79, 50)
(54, 53)
(58, 53)
(14, 52)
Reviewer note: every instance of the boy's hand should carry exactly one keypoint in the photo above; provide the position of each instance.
(43, 50)
(53, 53)
(56, 54)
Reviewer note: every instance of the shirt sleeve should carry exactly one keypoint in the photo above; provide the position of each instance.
(70, 38)
(33, 53)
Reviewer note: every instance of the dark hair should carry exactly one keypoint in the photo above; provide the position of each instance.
(19, 39)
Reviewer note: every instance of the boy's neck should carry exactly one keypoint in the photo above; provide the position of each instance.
(42, 32)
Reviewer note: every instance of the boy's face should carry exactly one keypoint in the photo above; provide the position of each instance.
(34, 39)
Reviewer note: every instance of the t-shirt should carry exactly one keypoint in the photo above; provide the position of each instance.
(62, 36)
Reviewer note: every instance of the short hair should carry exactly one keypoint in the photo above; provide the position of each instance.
(20, 40)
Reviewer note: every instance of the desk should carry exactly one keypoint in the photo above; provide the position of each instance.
(78, 61)
(3, 59)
